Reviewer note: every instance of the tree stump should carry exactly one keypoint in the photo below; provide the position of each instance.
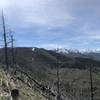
(15, 94)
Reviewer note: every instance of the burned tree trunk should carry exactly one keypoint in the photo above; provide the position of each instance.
(14, 94)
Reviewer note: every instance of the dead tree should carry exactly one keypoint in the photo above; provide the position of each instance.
(91, 82)
(5, 40)
(58, 78)
(12, 51)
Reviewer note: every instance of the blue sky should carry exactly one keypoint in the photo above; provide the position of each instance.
(54, 23)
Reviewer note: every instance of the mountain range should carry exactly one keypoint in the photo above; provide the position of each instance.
(74, 69)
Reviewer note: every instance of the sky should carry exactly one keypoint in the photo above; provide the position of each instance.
(53, 23)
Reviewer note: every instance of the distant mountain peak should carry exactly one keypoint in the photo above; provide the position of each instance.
(64, 50)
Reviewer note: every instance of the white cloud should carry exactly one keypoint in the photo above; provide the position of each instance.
(53, 46)
(92, 34)
(45, 12)
(3, 3)
(78, 18)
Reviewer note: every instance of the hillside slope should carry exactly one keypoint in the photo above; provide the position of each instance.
(25, 92)
(41, 65)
